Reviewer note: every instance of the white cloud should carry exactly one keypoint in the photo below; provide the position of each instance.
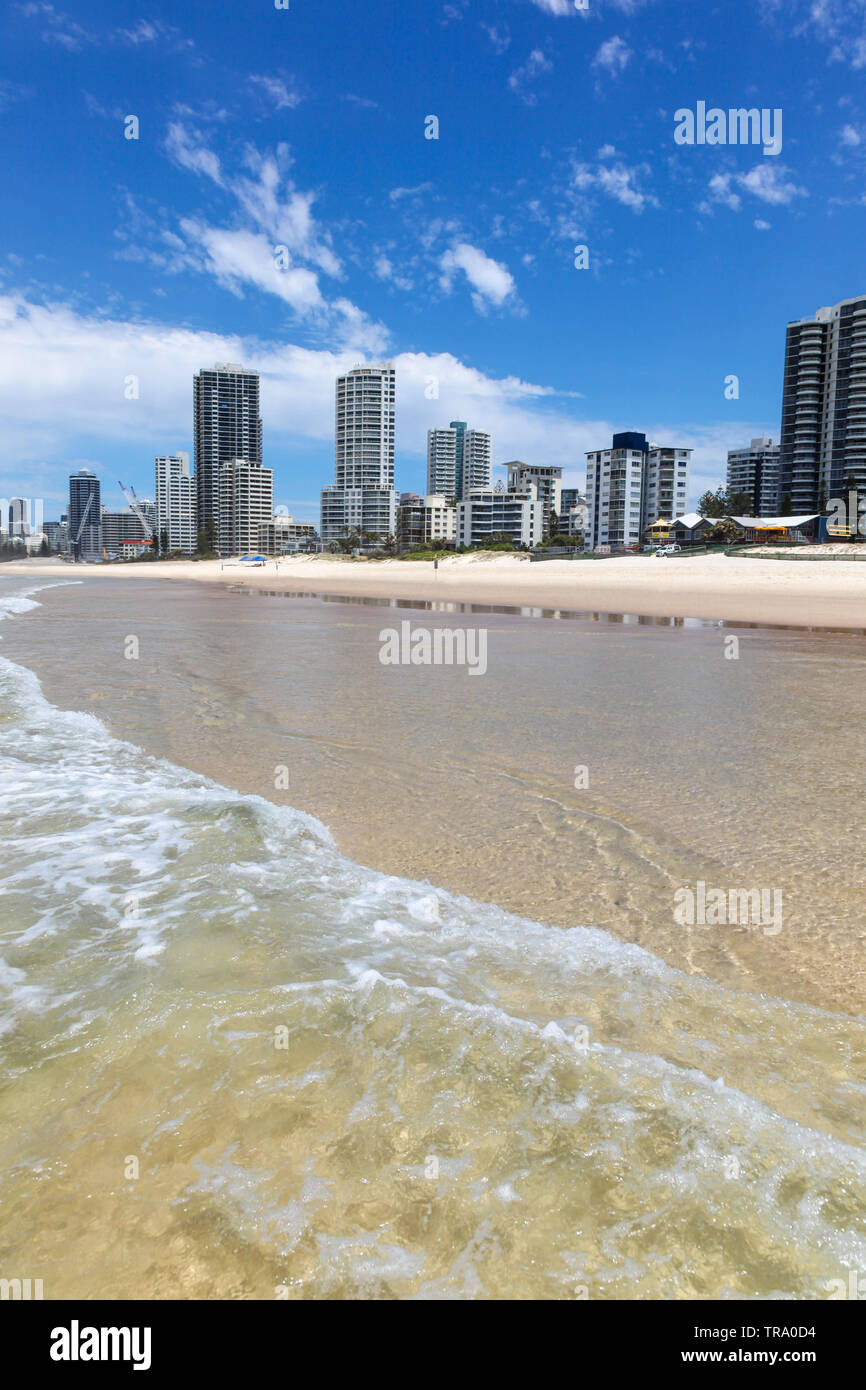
(614, 56)
(275, 244)
(850, 136)
(761, 225)
(721, 192)
(556, 7)
(766, 182)
(186, 152)
(383, 269)
(534, 66)
(618, 181)
(397, 193)
(238, 258)
(62, 398)
(491, 281)
(500, 38)
(278, 92)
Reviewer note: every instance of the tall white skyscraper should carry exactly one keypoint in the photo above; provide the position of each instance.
(362, 496)
(176, 509)
(459, 460)
(246, 498)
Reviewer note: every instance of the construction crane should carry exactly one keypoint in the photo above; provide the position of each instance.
(134, 507)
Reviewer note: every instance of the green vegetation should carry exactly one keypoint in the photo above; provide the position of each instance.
(206, 540)
(721, 503)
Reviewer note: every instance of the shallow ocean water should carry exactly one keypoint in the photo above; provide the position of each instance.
(340, 1083)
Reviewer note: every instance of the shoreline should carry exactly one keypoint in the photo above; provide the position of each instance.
(716, 587)
(511, 804)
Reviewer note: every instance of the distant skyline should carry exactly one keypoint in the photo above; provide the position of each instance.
(453, 258)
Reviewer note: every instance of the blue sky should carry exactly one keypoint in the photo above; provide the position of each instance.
(454, 258)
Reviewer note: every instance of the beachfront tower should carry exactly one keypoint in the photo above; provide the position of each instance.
(823, 441)
(227, 426)
(459, 460)
(84, 516)
(362, 496)
(176, 503)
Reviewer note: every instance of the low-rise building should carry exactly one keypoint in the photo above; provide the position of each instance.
(484, 514)
(425, 520)
(282, 535)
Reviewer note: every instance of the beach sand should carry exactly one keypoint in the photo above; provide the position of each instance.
(700, 767)
(817, 593)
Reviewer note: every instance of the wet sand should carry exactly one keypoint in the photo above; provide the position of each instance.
(812, 593)
(740, 773)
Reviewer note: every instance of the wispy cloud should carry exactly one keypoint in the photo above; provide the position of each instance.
(278, 91)
(766, 182)
(618, 181)
(613, 57)
(520, 80)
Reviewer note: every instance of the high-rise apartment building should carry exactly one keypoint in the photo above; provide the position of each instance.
(666, 483)
(246, 503)
(631, 485)
(459, 460)
(823, 439)
(755, 471)
(572, 513)
(84, 516)
(362, 496)
(227, 426)
(548, 484)
(176, 503)
(128, 527)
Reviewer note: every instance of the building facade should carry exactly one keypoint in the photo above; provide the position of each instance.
(176, 503)
(572, 513)
(282, 535)
(227, 426)
(666, 482)
(84, 516)
(459, 460)
(547, 482)
(125, 528)
(246, 502)
(755, 471)
(614, 492)
(362, 496)
(631, 485)
(425, 520)
(823, 437)
(484, 514)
